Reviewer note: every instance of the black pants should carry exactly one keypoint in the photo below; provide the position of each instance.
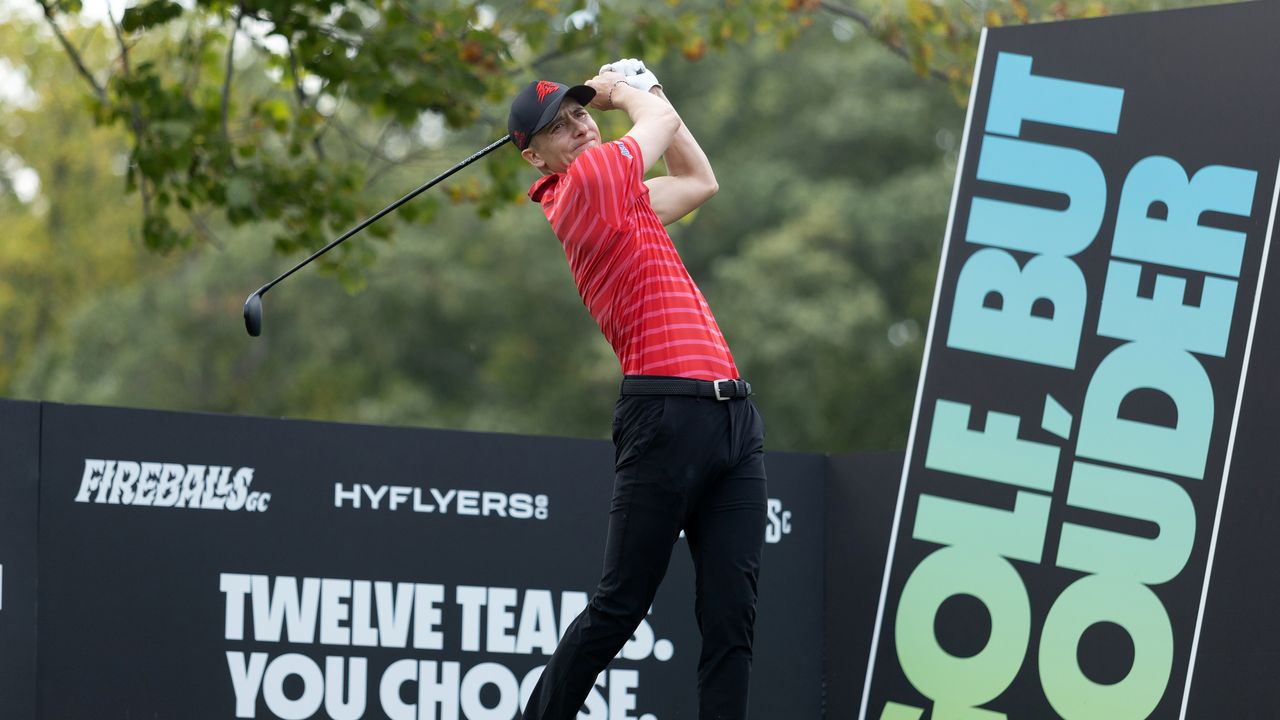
(695, 464)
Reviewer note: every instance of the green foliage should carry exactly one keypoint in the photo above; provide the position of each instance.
(177, 84)
(939, 38)
(77, 235)
(819, 277)
(149, 15)
(245, 108)
(819, 254)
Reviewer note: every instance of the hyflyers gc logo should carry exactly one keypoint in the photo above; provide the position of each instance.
(521, 506)
(198, 487)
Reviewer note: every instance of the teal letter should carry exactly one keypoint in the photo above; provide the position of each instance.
(1011, 331)
(957, 684)
(1180, 450)
(1017, 95)
(1042, 167)
(994, 453)
(1016, 534)
(1166, 319)
(896, 711)
(1132, 606)
(1180, 241)
(1133, 495)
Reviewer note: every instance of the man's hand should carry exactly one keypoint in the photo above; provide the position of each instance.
(644, 82)
(603, 85)
(654, 121)
(636, 74)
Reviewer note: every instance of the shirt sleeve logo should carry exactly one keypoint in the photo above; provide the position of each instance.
(623, 147)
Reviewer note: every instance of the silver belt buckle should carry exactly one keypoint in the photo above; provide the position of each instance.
(715, 385)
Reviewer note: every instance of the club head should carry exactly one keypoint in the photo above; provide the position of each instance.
(253, 314)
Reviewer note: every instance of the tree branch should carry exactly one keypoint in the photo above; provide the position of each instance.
(377, 150)
(331, 117)
(419, 154)
(853, 14)
(373, 152)
(865, 21)
(190, 73)
(303, 105)
(72, 53)
(226, 91)
(546, 57)
(298, 92)
(202, 229)
(136, 125)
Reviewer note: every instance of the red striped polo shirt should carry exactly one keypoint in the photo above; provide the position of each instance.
(628, 272)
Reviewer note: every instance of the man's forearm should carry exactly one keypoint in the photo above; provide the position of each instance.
(654, 120)
(684, 157)
(640, 106)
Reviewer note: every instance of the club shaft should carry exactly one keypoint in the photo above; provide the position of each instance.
(474, 157)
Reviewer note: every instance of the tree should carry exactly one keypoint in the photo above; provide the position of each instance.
(819, 278)
(67, 236)
(940, 39)
(283, 151)
(818, 257)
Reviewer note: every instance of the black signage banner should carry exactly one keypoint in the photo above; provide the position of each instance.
(19, 458)
(1080, 403)
(203, 566)
(861, 491)
(1238, 658)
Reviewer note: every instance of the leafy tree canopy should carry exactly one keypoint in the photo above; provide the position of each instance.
(207, 136)
(819, 254)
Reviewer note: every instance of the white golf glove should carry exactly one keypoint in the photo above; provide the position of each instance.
(644, 81)
(637, 75)
(625, 66)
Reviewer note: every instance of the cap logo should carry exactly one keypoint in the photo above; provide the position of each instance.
(545, 88)
(519, 136)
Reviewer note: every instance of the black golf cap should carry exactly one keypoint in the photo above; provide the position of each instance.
(537, 104)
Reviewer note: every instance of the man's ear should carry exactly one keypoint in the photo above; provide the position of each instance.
(534, 158)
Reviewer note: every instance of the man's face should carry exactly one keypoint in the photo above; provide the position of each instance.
(566, 137)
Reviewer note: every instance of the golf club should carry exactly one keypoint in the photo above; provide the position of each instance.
(253, 305)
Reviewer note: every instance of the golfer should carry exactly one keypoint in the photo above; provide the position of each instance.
(689, 442)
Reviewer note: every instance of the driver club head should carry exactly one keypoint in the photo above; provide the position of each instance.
(253, 314)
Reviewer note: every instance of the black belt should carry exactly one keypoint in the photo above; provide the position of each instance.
(726, 389)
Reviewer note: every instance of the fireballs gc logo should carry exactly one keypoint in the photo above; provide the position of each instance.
(153, 484)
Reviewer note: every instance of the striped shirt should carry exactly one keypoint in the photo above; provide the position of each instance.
(627, 271)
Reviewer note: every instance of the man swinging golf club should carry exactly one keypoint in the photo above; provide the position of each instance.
(689, 441)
